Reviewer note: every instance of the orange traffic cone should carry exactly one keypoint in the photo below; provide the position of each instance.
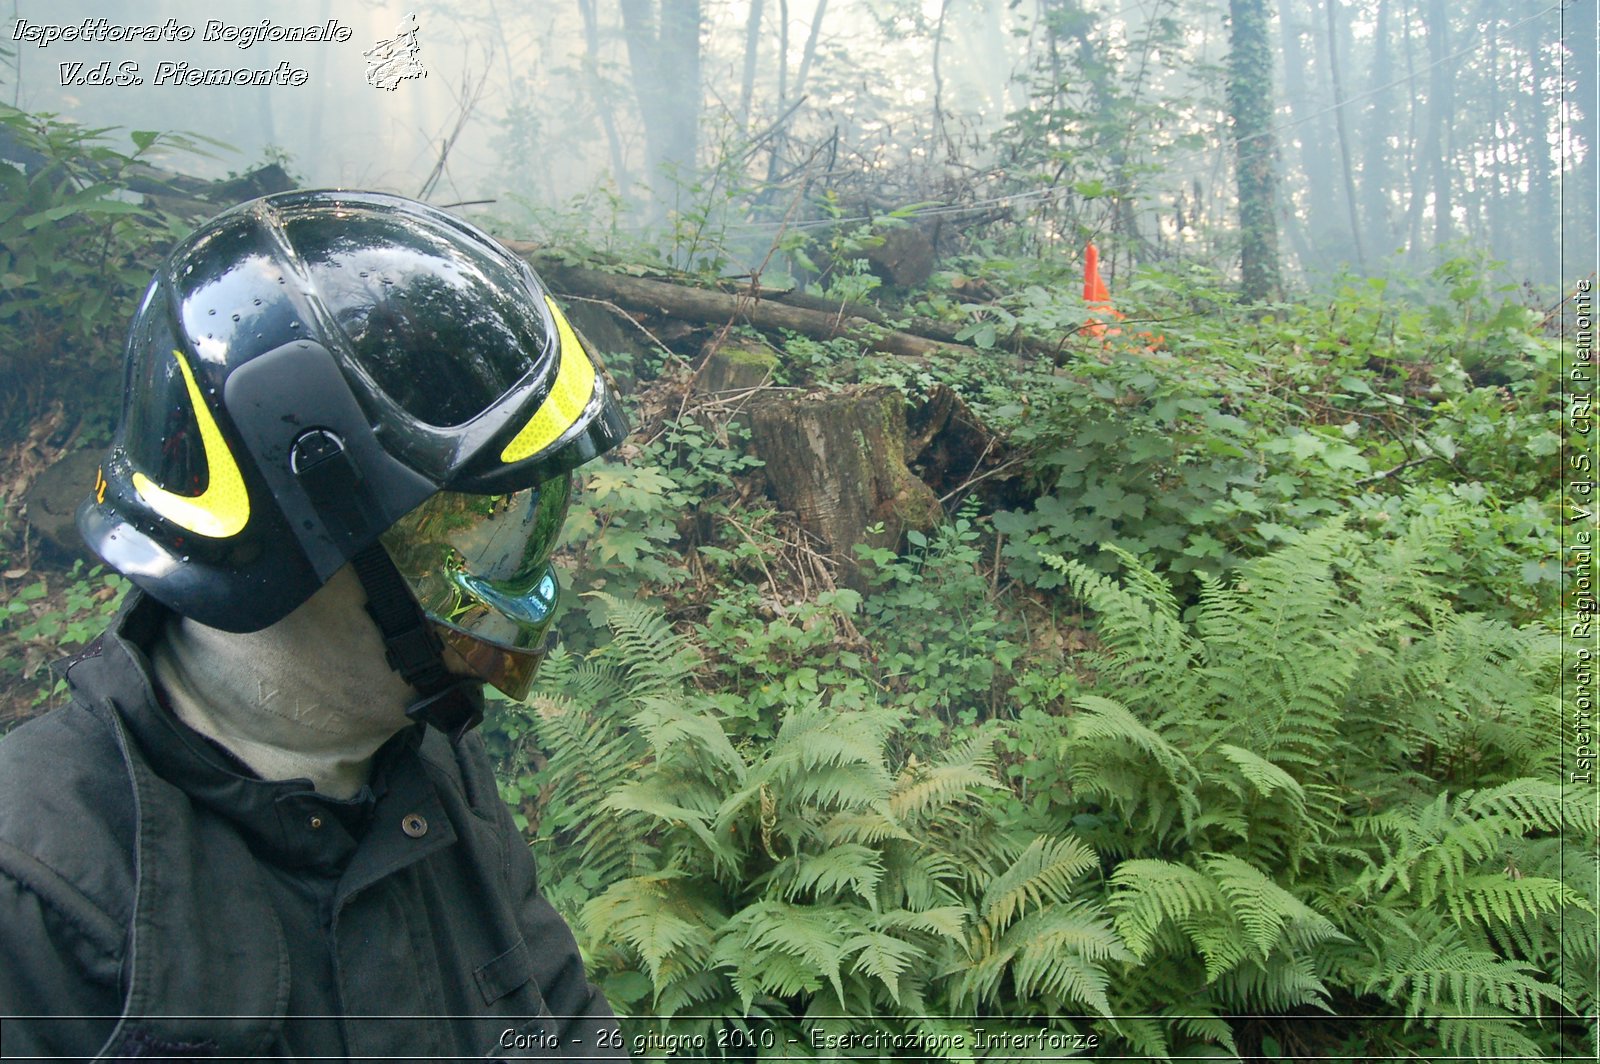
(1098, 298)
(1096, 295)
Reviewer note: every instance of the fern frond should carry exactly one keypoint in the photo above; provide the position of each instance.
(849, 866)
(867, 826)
(1220, 940)
(657, 916)
(1485, 1036)
(1063, 952)
(1267, 778)
(1145, 1037)
(783, 949)
(1147, 585)
(1145, 894)
(920, 877)
(658, 800)
(924, 790)
(690, 990)
(1537, 805)
(1497, 898)
(1105, 723)
(591, 755)
(1042, 873)
(672, 727)
(1140, 633)
(884, 957)
(946, 921)
(1282, 983)
(782, 975)
(1204, 1028)
(654, 657)
(1445, 974)
(1265, 909)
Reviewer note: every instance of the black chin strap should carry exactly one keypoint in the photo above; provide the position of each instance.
(453, 704)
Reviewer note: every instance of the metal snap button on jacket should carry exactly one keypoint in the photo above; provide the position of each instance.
(414, 825)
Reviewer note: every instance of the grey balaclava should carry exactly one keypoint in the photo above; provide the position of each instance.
(311, 696)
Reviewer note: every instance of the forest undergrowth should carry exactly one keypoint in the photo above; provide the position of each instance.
(1232, 727)
(1240, 737)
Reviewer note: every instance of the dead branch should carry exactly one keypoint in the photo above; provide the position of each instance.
(711, 307)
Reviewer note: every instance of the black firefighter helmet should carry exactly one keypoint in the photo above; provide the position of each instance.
(319, 378)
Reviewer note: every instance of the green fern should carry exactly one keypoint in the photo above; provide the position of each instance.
(1319, 787)
(1283, 807)
(1042, 873)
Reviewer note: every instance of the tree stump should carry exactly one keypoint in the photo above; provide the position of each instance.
(51, 502)
(949, 448)
(838, 460)
(734, 369)
(905, 257)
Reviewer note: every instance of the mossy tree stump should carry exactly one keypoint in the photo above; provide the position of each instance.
(734, 369)
(838, 460)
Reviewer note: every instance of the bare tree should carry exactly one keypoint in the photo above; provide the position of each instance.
(1375, 170)
(1344, 136)
(663, 39)
(1441, 111)
(752, 48)
(591, 70)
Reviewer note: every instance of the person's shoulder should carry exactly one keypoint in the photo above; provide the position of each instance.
(67, 810)
(464, 768)
(68, 755)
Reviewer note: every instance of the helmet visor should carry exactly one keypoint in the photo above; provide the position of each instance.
(479, 565)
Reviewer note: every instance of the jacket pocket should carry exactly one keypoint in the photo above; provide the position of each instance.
(505, 973)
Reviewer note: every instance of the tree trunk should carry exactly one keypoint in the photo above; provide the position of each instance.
(664, 59)
(1344, 136)
(1312, 130)
(1578, 23)
(1441, 112)
(752, 50)
(776, 142)
(1375, 151)
(1492, 208)
(1536, 147)
(810, 52)
(1250, 105)
(591, 70)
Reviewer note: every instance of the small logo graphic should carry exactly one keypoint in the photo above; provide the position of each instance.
(391, 61)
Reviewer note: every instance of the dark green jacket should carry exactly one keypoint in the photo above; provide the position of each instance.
(156, 900)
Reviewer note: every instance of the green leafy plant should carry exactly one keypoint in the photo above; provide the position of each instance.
(75, 250)
(1240, 430)
(943, 648)
(48, 618)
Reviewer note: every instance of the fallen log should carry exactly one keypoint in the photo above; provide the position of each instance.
(929, 328)
(709, 306)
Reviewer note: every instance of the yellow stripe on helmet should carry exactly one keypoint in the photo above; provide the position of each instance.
(568, 399)
(223, 509)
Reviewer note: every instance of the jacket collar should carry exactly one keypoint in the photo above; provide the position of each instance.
(286, 821)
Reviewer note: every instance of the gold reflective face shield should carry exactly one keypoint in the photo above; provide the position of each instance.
(479, 565)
